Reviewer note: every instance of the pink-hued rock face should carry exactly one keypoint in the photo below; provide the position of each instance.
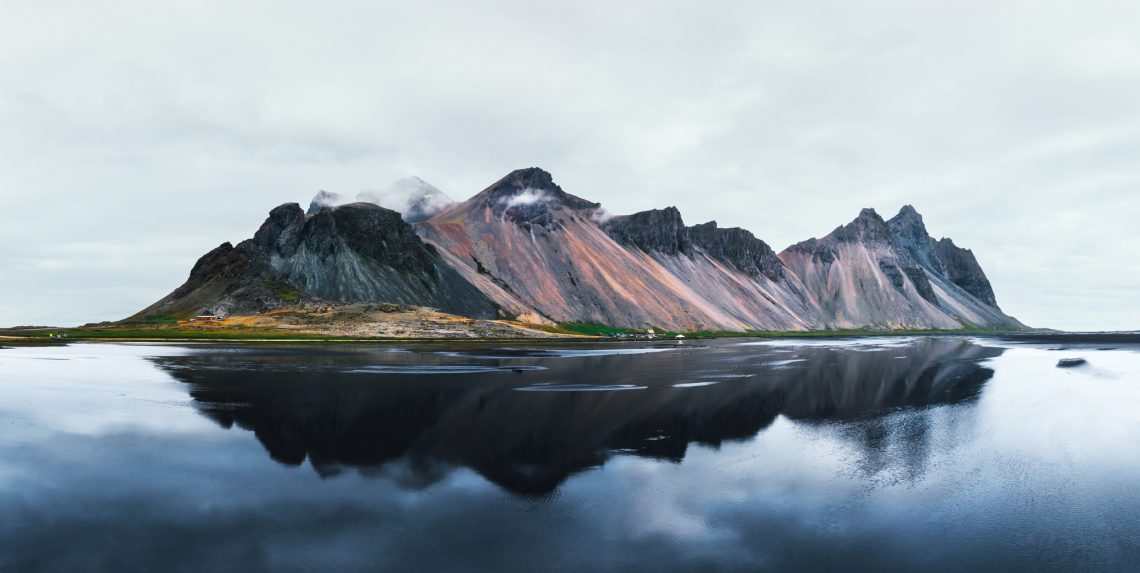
(538, 251)
(892, 274)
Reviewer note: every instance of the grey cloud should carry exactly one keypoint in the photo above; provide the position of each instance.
(163, 132)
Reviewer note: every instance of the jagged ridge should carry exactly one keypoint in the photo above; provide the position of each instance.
(525, 248)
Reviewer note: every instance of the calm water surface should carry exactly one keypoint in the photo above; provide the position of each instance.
(894, 454)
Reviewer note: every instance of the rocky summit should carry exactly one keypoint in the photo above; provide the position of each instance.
(525, 249)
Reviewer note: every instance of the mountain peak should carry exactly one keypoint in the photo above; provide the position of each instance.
(908, 211)
(867, 227)
(910, 232)
(530, 178)
(536, 182)
(527, 197)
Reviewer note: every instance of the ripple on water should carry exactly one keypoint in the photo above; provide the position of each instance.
(440, 369)
(579, 388)
(858, 344)
(695, 384)
(501, 353)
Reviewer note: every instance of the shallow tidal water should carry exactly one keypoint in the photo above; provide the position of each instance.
(888, 454)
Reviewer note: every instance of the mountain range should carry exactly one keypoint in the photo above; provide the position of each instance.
(524, 249)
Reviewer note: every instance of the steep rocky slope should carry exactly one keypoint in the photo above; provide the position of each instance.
(730, 268)
(892, 274)
(352, 253)
(539, 251)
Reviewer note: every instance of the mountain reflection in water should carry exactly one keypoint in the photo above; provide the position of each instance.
(527, 419)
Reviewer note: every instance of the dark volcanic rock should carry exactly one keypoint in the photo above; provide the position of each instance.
(280, 232)
(738, 248)
(663, 231)
(383, 236)
(921, 283)
(657, 230)
(899, 272)
(362, 252)
(352, 253)
(894, 274)
(960, 266)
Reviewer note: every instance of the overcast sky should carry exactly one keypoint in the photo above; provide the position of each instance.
(134, 138)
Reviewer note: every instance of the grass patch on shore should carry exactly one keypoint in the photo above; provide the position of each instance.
(585, 329)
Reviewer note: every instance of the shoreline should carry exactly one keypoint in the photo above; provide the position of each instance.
(43, 336)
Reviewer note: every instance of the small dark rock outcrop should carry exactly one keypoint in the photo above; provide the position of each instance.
(867, 227)
(898, 272)
(739, 248)
(656, 230)
(663, 231)
(921, 283)
(893, 274)
(962, 268)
